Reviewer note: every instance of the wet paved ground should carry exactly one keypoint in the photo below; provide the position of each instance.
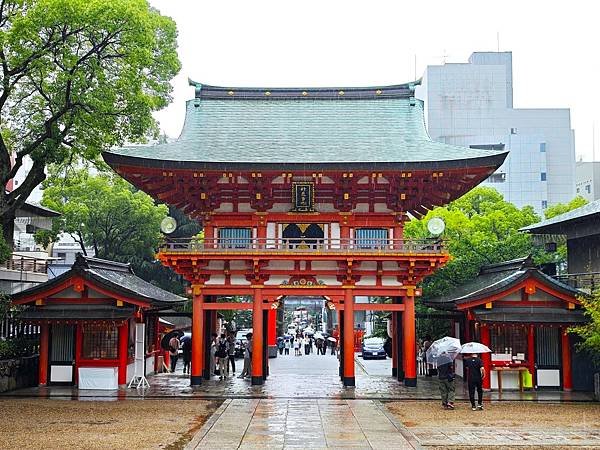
(307, 424)
(304, 405)
(499, 437)
(304, 376)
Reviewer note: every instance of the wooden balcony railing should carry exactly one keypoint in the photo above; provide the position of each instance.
(587, 282)
(24, 263)
(308, 246)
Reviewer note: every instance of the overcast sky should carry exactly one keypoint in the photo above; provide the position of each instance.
(555, 45)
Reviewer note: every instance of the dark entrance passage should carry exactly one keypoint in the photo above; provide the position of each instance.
(303, 235)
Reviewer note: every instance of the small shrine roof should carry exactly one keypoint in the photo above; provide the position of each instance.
(531, 314)
(114, 276)
(349, 127)
(559, 224)
(496, 278)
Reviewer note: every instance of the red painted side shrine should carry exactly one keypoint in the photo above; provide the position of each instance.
(304, 192)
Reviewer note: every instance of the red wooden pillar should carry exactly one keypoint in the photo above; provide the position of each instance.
(197, 336)
(409, 342)
(209, 236)
(566, 360)
(348, 338)
(394, 344)
(272, 333)
(531, 352)
(44, 349)
(486, 357)
(257, 338)
(123, 343)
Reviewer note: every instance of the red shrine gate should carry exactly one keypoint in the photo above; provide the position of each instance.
(304, 192)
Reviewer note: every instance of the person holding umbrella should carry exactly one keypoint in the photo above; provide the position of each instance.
(186, 346)
(174, 352)
(475, 372)
(446, 377)
(443, 352)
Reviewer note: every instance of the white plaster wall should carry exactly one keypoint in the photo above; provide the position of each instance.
(366, 281)
(130, 371)
(216, 279)
(239, 280)
(390, 281)
(149, 365)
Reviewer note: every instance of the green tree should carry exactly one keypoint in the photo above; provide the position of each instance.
(77, 77)
(561, 208)
(481, 228)
(106, 213)
(590, 332)
(4, 250)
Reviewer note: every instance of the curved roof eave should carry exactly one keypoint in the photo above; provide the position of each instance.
(115, 159)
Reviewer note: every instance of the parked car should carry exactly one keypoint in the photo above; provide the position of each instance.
(373, 348)
(240, 341)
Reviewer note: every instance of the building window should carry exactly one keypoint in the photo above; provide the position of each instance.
(588, 188)
(371, 237)
(578, 190)
(235, 237)
(61, 255)
(497, 178)
(499, 147)
(544, 204)
(543, 176)
(542, 147)
(100, 341)
(509, 340)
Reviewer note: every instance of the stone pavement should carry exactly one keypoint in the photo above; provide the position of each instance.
(313, 424)
(501, 437)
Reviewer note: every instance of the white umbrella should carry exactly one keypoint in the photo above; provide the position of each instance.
(475, 347)
(332, 339)
(447, 346)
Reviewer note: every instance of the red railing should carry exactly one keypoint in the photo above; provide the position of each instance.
(305, 245)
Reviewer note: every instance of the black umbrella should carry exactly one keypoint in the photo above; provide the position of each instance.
(186, 337)
(164, 342)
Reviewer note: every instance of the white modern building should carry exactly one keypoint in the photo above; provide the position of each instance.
(471, 104)
(587, 180)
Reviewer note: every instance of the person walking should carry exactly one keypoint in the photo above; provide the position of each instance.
(247, 370)
(446, 378)
(222, 355)
(297, 346)
(287, 345)
(475, 376)
(231, 342)
(187, 355)
(306, 346)
(280, 345)
(426, 345)
(213, 349)
(174, 345)
(333, 347)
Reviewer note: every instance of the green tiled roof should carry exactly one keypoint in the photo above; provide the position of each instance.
(370, 125)
(496, 278)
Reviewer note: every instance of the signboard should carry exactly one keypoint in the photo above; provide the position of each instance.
(303, 197)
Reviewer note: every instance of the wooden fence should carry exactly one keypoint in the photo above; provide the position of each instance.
(11, 327)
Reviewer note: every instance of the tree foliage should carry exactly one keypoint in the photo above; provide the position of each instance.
(561, 208)
(77, 77)
(105, 213)
(4, 250)
(590, 332)
(481, 228)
